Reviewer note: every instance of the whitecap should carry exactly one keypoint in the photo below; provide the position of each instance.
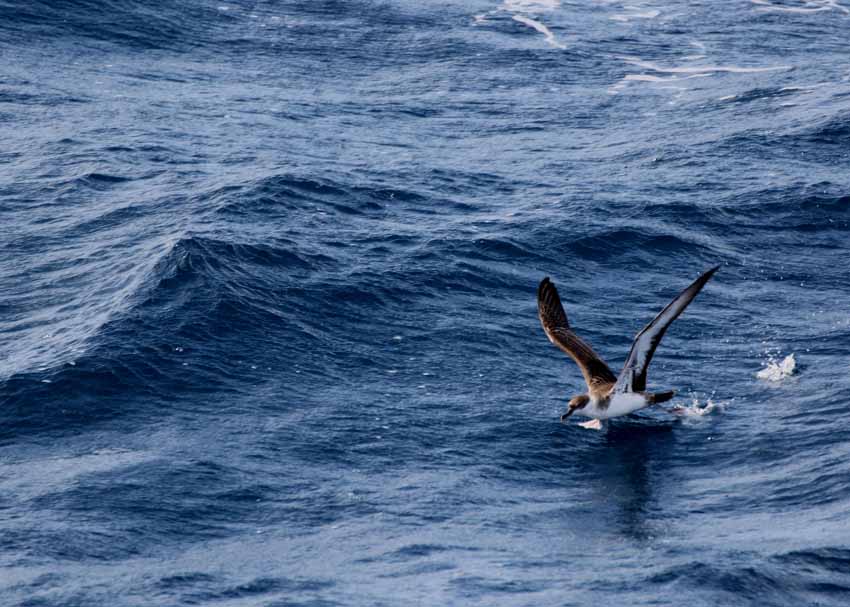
(702, 69)
(669, 80)
(530, 6)
(811, 6)
(635, 12)
(550, 37)
(523, 11)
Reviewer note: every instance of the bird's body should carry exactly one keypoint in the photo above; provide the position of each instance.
(607, 404)
(614, 405)
(608, 395)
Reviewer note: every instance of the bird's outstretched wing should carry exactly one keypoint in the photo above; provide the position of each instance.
(596, 373)
(633, 376)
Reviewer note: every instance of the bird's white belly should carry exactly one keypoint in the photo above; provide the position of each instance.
(620, 404)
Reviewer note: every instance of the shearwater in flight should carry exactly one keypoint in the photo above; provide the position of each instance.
(609, 396)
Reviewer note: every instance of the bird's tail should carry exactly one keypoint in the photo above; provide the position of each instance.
(660, 397)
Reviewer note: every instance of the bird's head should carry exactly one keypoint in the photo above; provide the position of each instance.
(576, 403)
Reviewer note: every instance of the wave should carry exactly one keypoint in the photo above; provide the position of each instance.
(646, 243)
(315, 33)
(131, 23)
(180, 329)
(763, 93)
(278, 196)
(80, 288)
(784, 579)
(821, 142)
(835, 132)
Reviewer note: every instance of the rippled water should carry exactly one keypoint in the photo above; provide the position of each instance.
(268, 329)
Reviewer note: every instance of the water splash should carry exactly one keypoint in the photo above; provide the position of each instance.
(697, 410)
(777, 371)
(593, 424)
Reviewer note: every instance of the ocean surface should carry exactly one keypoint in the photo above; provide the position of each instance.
(268, 329)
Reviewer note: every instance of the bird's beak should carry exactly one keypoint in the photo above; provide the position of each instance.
(567, 414)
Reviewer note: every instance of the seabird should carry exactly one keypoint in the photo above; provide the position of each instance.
(609, 396)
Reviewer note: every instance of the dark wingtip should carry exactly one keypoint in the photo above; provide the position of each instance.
(706, 276)
(663, 397)
(549, 307)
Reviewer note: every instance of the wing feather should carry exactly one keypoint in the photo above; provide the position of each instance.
(596, 373)
(633, 376)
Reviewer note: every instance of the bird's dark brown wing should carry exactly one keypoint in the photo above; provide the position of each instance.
(633, 376)
(597, 375)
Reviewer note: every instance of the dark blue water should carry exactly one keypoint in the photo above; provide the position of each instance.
(268, 328)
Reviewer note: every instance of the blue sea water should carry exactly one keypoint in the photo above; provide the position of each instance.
(268, 328)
